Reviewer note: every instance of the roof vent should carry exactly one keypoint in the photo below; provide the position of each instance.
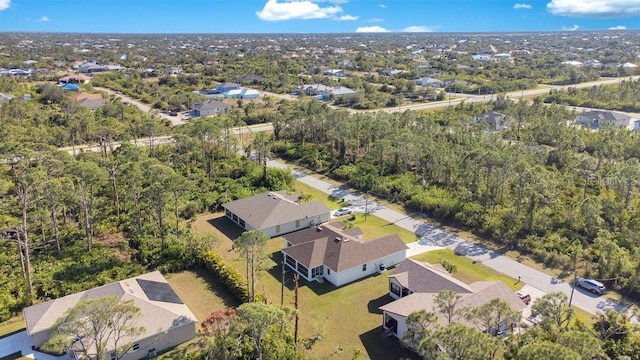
(338, 239)
(319, 228)
(345, 240)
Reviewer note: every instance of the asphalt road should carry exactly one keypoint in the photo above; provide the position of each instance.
(431, 236)
(175, 120)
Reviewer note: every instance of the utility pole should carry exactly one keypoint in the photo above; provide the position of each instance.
(296, 277)
(282, 283)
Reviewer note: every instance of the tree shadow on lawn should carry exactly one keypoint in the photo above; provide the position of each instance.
(379, 347)
(216, 288)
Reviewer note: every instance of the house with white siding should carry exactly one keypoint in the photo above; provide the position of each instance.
(415, 285)
(166, 319)
(276, 213)
(328, 252)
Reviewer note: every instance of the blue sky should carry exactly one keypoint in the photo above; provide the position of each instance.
(315, 16)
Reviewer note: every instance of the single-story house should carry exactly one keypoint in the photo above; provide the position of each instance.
(324, 92)
(93, 104)
(166, 319)
(208, 108)
(224, 87)
(334, 72)
(415, 285)
(276, 213)
(573, 63)
(241, 93)
(173, 70)
(330, 253)
(411, 276)
(596, 118)
(494, 120)
(5, 97)
(429, 81)
(92, 68)
(75, 79)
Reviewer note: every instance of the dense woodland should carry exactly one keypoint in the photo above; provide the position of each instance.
(624, 96)
(544, 187)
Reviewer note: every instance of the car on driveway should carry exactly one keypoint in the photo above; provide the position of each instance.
(594, 286)
(343, 211)
(526, 298)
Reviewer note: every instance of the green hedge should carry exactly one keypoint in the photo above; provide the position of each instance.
(227, 276)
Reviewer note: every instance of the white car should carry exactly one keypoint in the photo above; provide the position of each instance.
(343, 211)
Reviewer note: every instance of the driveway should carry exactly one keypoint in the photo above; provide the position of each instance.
(431, 237)
(175, 120)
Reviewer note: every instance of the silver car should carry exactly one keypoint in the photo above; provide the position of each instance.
(594, 286)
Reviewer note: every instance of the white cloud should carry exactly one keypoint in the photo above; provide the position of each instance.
(382, 6)
(418, 28)
(522, 6)
(571, 28)
(595, 8)
(375, 20)
(4, 4)
(44, 19)
(347, 18)
(371, 29)
(619, 27)
(277, 11)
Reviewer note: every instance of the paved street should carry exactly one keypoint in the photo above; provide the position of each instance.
(432, 238)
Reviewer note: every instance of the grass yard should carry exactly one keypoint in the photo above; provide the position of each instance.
(315, 194)
(11, 326)
(347, 317)
(375, 227)
(467, 270)
(199, 290)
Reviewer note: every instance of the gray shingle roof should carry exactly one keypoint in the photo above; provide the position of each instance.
(422, 277)
(157, 316)
(210, 105)
(328, 245)
(274, 208)
(486, 291)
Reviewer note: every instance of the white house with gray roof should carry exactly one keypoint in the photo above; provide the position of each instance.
(167, 320)
(595, 118)
(330, 253)
(208, 108)
(276, 213)
(415, 285)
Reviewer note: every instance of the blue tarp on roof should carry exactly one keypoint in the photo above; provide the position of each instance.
(69, 86)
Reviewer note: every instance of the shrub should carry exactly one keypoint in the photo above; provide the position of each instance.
(229, 277)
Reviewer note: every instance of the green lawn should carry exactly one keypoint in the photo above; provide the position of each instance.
(11, 326)
(375, 227)
(315, 194)
(467, 270)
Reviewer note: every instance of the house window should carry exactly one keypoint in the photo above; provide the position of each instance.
(395, 289)
(135, 347)
(113, 355)
(303, 271)
(297, 223)
(227, 212)
(317, 271)
(290, 261)
(235, 217)
(241, 222)
(364, 267)
(328, 271)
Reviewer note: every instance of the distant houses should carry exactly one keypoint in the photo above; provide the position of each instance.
(90, 101)
(74, 79)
